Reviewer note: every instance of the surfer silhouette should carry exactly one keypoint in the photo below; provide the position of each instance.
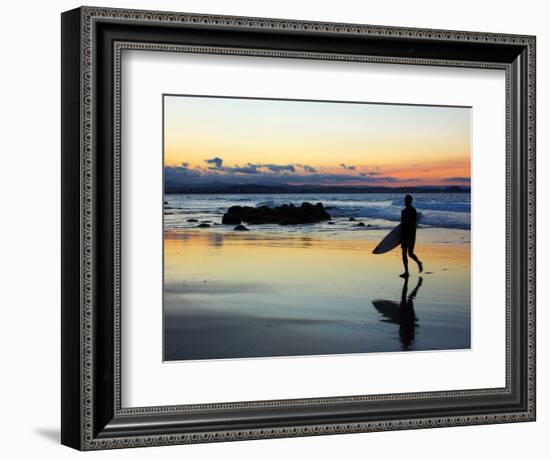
(408, 235)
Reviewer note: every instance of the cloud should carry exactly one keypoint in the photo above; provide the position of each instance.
(268, 174)
(217, 162)
(347, 167)
(458, 179)
(243, 175)
(338, 178)
(278, 168)
(309, 168)
(181, 174)
(247, 169)
(251, 168)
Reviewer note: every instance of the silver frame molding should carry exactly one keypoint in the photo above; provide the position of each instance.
(93, 417)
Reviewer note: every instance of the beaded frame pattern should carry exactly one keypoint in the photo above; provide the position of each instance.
(89, 16)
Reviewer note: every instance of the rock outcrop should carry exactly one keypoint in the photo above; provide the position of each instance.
(285, 214)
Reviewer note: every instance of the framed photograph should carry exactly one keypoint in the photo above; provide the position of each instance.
(276, 228)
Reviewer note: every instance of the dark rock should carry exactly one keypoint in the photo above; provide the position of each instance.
(240, 227)
(352, 218)
(192, 220)
(203, 225)
(369, 225)
(231, 217)
(360, 225)
(284, 215)
(331, 222)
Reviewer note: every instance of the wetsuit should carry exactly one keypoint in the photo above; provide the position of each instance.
(408, 228)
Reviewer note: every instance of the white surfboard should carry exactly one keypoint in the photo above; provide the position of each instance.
(393, 239)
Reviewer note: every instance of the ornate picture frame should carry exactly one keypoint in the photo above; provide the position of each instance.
(93, 416)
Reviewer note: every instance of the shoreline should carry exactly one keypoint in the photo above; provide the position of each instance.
(353, 234)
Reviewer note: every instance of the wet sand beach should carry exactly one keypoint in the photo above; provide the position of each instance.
(250, 294)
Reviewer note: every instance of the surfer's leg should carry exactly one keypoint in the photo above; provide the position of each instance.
(405, 261)
(415, 258)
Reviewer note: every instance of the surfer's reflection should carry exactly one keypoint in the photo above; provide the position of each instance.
(401, 313)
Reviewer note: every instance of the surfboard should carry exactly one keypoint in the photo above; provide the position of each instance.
(388, 243)
(393, 239)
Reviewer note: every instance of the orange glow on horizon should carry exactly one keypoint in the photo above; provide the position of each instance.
(404, 144)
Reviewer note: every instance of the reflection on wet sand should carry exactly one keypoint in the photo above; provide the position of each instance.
(237, 295)
(401, 313)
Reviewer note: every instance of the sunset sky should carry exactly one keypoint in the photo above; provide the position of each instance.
(284, 142)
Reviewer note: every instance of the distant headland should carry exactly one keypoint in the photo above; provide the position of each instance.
(222, 188)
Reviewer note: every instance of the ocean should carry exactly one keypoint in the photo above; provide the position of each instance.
(379, 211)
